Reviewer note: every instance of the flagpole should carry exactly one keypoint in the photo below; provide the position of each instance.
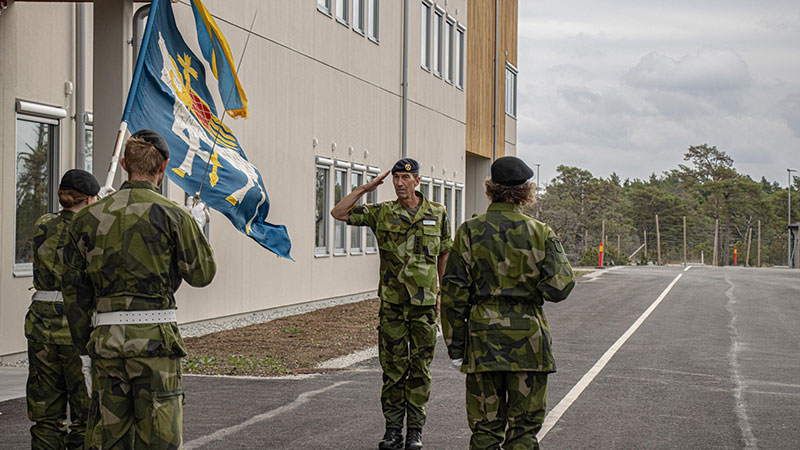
(123, 126)
(225, 107)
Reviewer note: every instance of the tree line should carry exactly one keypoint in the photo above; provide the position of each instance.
(579, 206)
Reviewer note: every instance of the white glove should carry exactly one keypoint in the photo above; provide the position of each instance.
(105, 191)
(86, 370)
(457, 362)
(199, 213)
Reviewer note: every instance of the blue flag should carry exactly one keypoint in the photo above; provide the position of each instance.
(169, 95)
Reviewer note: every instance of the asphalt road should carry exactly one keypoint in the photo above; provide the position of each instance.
(715, 365)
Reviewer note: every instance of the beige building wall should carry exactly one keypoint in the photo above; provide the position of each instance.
(316, 88)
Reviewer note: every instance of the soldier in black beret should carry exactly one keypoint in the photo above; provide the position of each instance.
(153, 139)
(413, 235)
(510, 171)
(55, 377)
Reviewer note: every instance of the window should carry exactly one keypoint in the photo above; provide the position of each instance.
(356, 180)
(339, 191)
(322, 206)
(511, 90)
(448, 200)
(456, 219)
(342, 14)
(438, 17)
(324, 6)
(426, 35)
(425, 187)
(358, 16)
(373, 24)
(36, 177)
(372, 198)
(447, 57)
(437, 191)
(459, 57)
(88, 147)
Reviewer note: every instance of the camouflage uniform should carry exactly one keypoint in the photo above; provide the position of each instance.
(129, 252)
(54, 377)
(503, 267)
(409, 247)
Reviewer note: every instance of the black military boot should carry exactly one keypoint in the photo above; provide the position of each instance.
(392, 439)
(414, 439)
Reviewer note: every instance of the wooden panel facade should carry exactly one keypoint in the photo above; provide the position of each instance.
(480, 62)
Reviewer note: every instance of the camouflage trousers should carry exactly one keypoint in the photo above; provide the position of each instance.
(406, 339)
(137, 403)
(55, 380)
(505, 408)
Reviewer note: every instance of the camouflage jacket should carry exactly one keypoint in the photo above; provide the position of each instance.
(129, 252)
(409, 247)
(503, 266)
(46, 322)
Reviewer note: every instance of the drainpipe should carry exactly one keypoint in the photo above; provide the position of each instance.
(494, 96)
(80, 86)
(405, 79)
(138, 30)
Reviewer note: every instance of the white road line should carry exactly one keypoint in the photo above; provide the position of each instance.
(733, 359)
(687, 268)
(225, 432)
(562, 406)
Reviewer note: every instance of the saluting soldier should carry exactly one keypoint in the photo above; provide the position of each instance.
(504, 266)
(126, 257)
(54, 366)
(413, 236)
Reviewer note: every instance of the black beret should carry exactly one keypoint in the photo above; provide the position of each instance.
(155, 140)
(510, 171)
(81, 181)
(406, 165)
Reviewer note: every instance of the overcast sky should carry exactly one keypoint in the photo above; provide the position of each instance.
(627, 86)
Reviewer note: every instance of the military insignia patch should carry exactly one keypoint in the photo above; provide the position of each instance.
(559, 247)
(408, 166)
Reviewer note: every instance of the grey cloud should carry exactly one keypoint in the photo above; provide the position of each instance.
(709, 70)
(790, 112)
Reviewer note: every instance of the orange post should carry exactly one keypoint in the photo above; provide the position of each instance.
(601, 255)
(734, 256)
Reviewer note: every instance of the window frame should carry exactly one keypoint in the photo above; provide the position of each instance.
(511, 70)
(425, 33)
(425, 187)
(324, 6)
(448, 36)
(462, 43)
(458, 206)
(345, 19)
(374, 14)
(358, 21)
(437, 185)
(371, 198)
(359, 171)
(436, 60)
(326, 165)
(342, 167)
(48, 115)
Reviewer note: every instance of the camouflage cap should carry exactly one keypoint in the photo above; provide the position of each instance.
(81, 181)
(510, 171)
(153, 139)
(406, 165)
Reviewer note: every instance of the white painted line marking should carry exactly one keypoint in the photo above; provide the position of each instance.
(687, 268)
(302, 399)
(555, 414)
(345, 361)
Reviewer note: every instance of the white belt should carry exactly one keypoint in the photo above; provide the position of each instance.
(48, 296)
(133, 317)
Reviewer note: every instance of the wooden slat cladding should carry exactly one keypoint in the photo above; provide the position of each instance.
(480, 63)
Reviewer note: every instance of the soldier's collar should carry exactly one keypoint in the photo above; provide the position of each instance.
(422, 207)
(138, 184)
(504, 206)
(66, 214)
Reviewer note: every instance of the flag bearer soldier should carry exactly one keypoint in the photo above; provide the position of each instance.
(126, 256)
(54, 366)
(413, 235)
(504, 266)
